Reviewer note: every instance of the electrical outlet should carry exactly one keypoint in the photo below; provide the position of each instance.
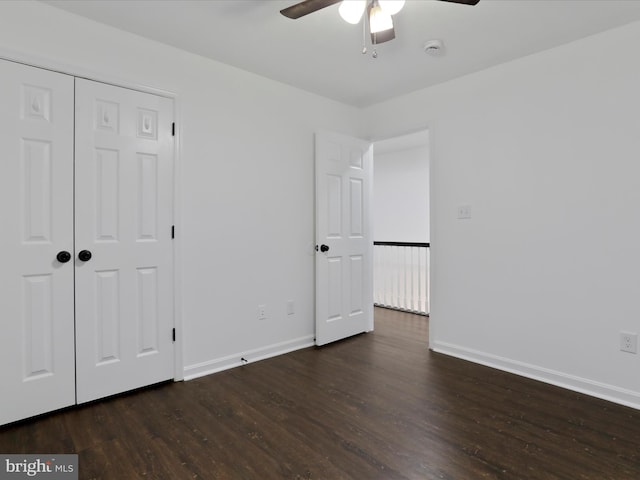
(629, 342)
(464, 212)
(262, 312)
(290, 307)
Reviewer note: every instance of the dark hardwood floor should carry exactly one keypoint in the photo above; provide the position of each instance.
(375, 406)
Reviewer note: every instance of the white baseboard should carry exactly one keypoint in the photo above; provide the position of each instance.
(604, 391)
(234, 360)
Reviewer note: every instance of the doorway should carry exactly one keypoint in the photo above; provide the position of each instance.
(401, 222)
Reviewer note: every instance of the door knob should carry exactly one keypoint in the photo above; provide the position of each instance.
(324, 248)
(84, 255)
(63, 256)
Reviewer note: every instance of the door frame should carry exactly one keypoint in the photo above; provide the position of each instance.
(110, 79)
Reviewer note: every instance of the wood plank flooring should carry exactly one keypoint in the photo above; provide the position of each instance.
(375, 406)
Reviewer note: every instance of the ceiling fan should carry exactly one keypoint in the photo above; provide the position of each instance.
(379, 14)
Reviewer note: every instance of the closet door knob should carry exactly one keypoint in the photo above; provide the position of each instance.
(63, 256)
(84, 255)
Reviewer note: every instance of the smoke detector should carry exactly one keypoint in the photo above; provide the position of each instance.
(434, 47)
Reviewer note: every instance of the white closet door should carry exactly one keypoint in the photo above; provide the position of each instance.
(124, 213)
(36, 203)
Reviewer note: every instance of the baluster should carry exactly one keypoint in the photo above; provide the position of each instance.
(376, 275)
(427, 306)
(405, 278)
(387, 273)
(398, 279)
(387, 285)
(412, 266)
(420, 290)
(402, 281)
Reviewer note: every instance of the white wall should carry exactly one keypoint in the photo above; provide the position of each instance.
(546, 150)
(246, 179)
(401, 195)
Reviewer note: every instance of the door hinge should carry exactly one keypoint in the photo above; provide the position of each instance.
(173, 334)
(173, 231)
(173, 129)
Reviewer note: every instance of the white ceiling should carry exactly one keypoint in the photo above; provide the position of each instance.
(321, 53)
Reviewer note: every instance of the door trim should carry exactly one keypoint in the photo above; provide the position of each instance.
(110, 79)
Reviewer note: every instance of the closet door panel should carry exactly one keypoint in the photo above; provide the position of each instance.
(37, 368)
(124, 214)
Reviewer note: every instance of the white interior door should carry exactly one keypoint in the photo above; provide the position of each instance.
(344, 279)
(124, 216)
(37, 369)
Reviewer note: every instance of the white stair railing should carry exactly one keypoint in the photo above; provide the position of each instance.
(401, 276)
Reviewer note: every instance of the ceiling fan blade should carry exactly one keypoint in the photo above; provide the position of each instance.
(305, 8)
(463, 2)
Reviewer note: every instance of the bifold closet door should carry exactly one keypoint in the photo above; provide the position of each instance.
(124, 252)
(90, 314)
(36, 277)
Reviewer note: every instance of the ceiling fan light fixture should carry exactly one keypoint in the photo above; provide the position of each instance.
(379, 21)
(391, 7)
(351, 10)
